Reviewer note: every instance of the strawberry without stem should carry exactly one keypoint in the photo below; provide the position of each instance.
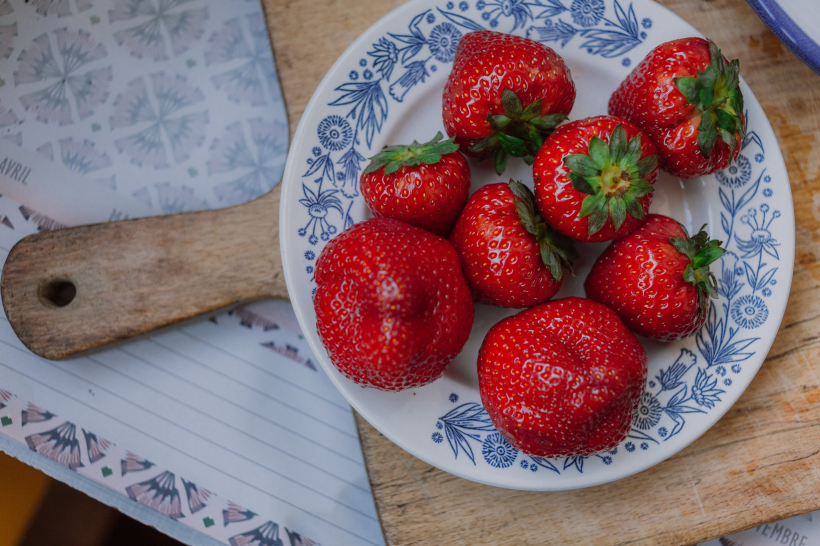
(504, 95)
(509, 255)
(685, 95)
(657, 279)
(425, 185)
(562, 379)
(594, 178)
(392, 306)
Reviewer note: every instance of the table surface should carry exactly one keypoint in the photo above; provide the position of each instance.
(758, 464)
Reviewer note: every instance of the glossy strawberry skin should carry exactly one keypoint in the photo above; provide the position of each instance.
(562, 379)
(486, 63)
(500, 259)
(640, 277)
(427, 196)
(558, 202)
(392, 306)
(649, 99)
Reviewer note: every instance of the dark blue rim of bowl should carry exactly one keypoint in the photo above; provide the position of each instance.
(788, 32)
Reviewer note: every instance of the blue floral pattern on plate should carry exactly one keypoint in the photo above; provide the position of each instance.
(748, 206)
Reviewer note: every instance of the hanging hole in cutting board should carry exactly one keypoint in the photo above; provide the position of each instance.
(58, 292)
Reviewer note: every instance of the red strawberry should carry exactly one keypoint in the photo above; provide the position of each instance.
(504, 96)
(510, 257)
(562, 379)
(685, 96)
(592, 190)
(392, 306)
(657, 279)
(425, 185)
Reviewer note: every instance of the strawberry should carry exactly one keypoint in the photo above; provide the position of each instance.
(504, 95)
(685, 95)
(425, 185)
(562, 379)
(594, 178)
(657, 279)
(511, 258)
(392, 306)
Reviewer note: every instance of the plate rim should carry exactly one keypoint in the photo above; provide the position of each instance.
(449, 466)
(788, 32)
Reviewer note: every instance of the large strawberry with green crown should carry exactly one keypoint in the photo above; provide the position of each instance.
(594, 178)
(425, 185)
(392, 306)
(657, 279)
(562, 379)
(504, 95)
(686, 96)
(509, 255)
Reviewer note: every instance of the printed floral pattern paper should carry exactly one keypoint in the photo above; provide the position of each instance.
(174, 102)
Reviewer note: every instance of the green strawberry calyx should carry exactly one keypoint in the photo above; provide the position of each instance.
(557, 250)
(614, 176)
(392, 158)
(701, 252)
(518, 132)
(716, 93)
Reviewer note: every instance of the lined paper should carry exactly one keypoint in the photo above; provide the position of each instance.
(239, 409)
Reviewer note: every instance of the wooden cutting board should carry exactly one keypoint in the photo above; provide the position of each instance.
(758, 464)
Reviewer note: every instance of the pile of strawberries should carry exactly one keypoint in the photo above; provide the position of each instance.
(394, 303)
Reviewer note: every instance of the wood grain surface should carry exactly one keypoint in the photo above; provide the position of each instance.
(758, 464)
(115, 270)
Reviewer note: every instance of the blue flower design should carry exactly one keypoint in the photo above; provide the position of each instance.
(626, 62)
(652, 384)
(433, 68)
(629, 446)
(704, 392)
(486, 16)
(453, 398)
(480, 5)
(647, 23)
(362, 62)
(736, 368)
(334, 133)
(524, 464)
(319, 205)
(533, 468)
(443, 41)
(644, 446)
(737, 174)
(367, 74)
(767, 179)
(317, 151)
(662, 432)
(761, 239)
(759, 158)
(387, 55)
(340, 176)
(519, 10)
(614, 451)
(728, 381)
(749, 312)
(494, 23)
(463, 6)
(767, 192)
(309, 255)
(431, 18)
(416, 73)
(497, 451)
(721, 371)
(353, 75)
(437, 437)
(309, 269)
(767, 292)
(587, 13)
(607, 460)
(450, 5)
(439, 425)
(648, 413)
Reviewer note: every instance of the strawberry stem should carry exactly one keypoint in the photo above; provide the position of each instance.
(557, 251)
(716, 93)
(519, 132)
(701, 252)
(614, 176)
(392, 158)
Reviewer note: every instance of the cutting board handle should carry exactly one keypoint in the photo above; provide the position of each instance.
(75, 290)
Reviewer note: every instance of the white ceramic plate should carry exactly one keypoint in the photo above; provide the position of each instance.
(796, 23)
(386, 89)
